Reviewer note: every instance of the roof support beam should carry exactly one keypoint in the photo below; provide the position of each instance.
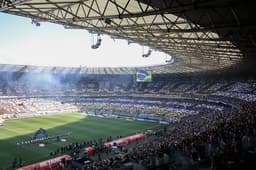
(8, 4)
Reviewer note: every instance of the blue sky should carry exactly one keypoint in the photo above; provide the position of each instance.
(21, 42)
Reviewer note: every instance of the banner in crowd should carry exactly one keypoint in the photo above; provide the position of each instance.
(125, 140)
(89, 150)
(45, 165)
(121, 141)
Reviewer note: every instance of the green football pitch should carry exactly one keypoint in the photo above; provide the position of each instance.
(83, 129)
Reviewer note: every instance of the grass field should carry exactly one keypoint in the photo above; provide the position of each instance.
(82, 128)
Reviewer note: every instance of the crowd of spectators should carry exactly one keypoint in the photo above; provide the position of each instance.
(126, 85)
(27, 107)
(223, 140)
(214, 120)
(167, 109)
(158, 109)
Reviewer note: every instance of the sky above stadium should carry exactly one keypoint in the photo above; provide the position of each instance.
(24, 43)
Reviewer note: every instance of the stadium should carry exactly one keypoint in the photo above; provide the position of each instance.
(194, 111)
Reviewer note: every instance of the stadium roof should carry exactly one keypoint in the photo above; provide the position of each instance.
(200, 34)
(160, 69)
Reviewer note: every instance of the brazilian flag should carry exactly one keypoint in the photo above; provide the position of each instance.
(144, 76)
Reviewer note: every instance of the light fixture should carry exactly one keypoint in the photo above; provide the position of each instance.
(98, 43)
(35, 21)
(147, 54)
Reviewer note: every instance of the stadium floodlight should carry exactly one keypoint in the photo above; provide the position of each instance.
(35, 21)
(147, 54)
(98, 43)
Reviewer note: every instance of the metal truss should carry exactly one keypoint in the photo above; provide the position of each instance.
(8, 4)
(195, 32)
